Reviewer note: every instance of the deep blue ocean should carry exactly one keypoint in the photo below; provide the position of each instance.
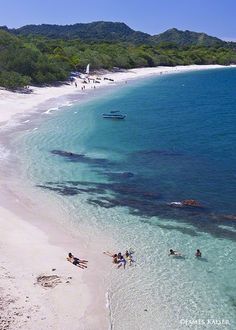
(178, 142)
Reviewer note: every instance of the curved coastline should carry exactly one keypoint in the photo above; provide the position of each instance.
(13, 103)
(48, 242)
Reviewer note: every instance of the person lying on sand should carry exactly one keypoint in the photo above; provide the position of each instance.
(174, 253)
(76, 261)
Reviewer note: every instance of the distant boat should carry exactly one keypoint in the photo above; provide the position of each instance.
(113, 115)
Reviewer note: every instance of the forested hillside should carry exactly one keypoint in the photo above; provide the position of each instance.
(115, 31)
(36, 59)
(95, 31)
(187, 38)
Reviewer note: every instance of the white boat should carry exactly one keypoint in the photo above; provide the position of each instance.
(87, 69)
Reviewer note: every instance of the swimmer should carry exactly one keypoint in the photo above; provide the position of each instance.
(174, 253)
(198, 253)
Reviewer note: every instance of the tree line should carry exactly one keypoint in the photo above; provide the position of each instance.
(39, 60)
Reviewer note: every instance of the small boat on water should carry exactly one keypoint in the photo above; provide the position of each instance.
(113, 115)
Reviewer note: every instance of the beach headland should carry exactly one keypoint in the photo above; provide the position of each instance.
(39, 288)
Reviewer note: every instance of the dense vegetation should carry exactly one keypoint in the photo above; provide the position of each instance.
(95, 31)
(187, 38)
(37, 59)
(113, 32)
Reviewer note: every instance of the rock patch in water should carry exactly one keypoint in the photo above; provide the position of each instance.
(81, 158)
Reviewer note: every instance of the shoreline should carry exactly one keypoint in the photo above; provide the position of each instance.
(31, 248)
(13, 104)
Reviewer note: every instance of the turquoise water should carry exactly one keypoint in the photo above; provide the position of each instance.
(177, 142)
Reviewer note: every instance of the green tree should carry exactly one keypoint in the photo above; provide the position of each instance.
(12, 80)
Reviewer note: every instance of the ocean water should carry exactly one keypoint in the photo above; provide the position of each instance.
(118, 177)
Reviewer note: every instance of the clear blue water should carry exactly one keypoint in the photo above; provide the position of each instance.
(177, 142)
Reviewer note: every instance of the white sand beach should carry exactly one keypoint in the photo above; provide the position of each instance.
(39, 288)
(18, 103)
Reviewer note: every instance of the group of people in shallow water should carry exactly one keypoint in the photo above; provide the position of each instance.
(198, 253)
(119, 259)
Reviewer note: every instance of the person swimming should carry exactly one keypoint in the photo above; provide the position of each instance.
(198, 253)
(174, 253)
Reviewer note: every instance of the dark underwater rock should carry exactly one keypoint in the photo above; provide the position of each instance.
(156, 153)
(67, 191)
(119, 176)
(186, 203)
(73, 157)
(68, 154)
(231, 217)
(191, 202)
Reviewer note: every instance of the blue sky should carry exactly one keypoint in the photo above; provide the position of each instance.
(215, 17)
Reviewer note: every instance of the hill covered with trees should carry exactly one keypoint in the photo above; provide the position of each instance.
(115, 31)
(95, 31)
(36, 58)
(187, 38)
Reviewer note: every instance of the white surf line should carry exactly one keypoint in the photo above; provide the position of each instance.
(108, 306)
(51, 110)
